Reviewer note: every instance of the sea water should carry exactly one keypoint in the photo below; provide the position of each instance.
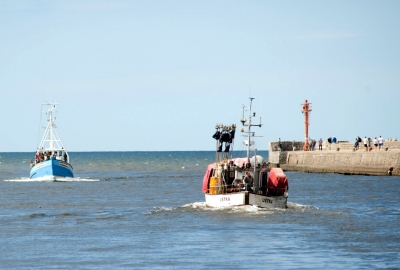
(145, 210)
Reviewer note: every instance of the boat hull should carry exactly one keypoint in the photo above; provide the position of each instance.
(245, 198)
(268, 201)
(52, 167)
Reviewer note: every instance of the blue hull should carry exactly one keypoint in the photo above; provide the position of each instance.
(52, 167)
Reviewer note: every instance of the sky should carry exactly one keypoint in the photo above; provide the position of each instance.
(159, 75)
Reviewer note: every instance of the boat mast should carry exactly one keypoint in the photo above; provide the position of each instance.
(50, 112)
(248, 145)
(249, 133)
(51, 135)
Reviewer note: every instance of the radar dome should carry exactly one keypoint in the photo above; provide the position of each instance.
(258, 160)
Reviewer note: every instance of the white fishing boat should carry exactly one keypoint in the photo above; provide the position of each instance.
(243, 181)
(51, 158)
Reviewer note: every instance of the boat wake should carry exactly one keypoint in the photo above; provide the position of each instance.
(247, 208)
(301, 207)
(52, 179)
(201, 206)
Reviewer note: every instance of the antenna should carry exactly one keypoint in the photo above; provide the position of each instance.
(248, 143)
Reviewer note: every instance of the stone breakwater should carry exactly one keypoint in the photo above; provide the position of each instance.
(337, 158)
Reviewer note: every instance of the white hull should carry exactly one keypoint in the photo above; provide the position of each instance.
(231, 199)
(245, 198)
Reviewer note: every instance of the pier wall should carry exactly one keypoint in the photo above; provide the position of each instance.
(342, 145)
(338, 158)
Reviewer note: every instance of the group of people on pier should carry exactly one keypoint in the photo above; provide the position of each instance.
(377, 142)
(312, 144)
(369, 144)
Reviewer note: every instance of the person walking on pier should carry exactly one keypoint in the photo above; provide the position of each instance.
(375, 143)
(356, 144)
(369, 144)
(365, 143)
(314, 142)
(280, 144)
(320, 144)
(380, 141)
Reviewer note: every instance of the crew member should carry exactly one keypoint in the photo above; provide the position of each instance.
(248, 181)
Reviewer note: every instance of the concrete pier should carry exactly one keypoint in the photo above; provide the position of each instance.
(337, 158)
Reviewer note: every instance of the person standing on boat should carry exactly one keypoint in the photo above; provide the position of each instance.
(65, 157)
(248, 181)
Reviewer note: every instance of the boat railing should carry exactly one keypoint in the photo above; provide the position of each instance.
(60, 158)
(221, 188)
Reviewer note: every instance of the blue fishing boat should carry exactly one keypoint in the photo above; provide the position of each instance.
(51, 158)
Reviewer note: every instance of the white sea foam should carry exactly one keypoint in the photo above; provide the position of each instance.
(235, 209)
(160, 210)
(52, 179)
(301, 206)
(195, 205)
(247, 209)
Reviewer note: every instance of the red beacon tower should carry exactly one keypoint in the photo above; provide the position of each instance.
(306, 109)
